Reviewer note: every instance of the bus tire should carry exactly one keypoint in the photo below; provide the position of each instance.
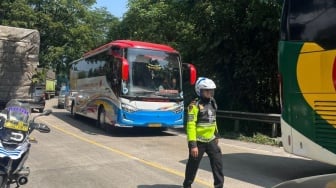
(101, 119)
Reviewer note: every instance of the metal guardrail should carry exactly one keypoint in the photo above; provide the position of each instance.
(273, 119)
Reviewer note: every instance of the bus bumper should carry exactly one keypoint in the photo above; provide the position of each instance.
(165, 119)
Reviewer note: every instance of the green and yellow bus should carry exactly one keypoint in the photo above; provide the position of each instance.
(307, 67)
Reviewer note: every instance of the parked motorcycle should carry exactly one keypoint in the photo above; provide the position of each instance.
(15, 128)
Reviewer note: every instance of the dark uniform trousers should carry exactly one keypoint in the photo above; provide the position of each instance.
(215, 155)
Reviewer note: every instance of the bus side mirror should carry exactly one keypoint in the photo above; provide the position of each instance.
(189, 73)
(124, 69)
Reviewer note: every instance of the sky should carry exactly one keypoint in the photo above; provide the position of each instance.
(116, 7)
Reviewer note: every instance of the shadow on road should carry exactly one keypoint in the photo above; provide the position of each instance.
(159, 186)
(266, 170)
(88, 126)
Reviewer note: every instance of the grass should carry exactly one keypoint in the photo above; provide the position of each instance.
(255, 138)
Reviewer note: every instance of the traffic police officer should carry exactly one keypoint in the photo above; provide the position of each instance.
(202, 134)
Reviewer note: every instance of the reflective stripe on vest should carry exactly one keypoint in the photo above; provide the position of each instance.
(205, 124)
(202, 139)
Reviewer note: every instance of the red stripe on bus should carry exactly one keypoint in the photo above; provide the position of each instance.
(334, 73)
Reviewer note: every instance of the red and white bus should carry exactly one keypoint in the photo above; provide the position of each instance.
(130, 84)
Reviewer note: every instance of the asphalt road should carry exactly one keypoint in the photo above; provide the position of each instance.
(77, 154)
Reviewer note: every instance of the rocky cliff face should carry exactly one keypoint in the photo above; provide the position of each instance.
(19, 49)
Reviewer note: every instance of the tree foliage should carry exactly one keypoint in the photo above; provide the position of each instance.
(67, 28)
(233, 42)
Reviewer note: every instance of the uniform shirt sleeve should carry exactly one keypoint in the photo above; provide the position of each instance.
(191, 125)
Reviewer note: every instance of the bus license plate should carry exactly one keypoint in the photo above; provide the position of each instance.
(154, 125)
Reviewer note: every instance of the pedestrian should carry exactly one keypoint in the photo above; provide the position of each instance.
(202, 134)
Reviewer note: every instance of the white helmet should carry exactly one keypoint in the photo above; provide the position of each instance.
(204, 83)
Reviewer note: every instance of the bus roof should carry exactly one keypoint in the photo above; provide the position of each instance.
(132, 44)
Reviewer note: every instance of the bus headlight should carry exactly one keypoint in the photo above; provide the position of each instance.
(128, 108)
(178, 108)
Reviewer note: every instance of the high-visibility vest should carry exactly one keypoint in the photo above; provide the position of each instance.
(201, 124)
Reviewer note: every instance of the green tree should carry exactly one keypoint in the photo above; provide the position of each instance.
(233, 42)
(68, 28)
(17, 13)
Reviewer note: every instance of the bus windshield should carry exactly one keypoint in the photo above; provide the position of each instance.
(153, 73)
(311, 21)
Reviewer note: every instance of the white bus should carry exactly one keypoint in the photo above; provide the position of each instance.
(130, 84)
